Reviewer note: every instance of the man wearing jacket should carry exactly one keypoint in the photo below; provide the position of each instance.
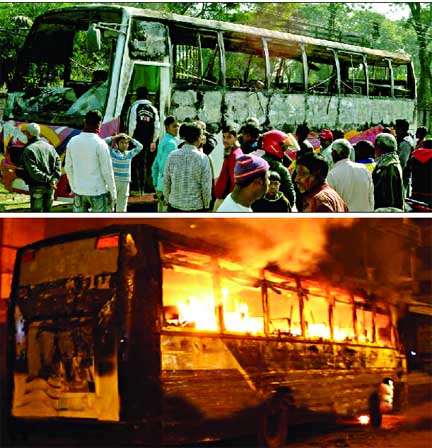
(42, 169)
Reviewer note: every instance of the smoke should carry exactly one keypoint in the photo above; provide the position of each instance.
(295, 245)
(376, 249)
(298, 245)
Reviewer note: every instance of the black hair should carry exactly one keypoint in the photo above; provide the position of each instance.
(427, 144)
(422, 131)
(315, 163)
(402, 124)
(302, 131)
(230, 130)
(338, 133)
(93, 117)
(169, 120)
(274, 175)
(251, 129)
(142, 93)
(364, 149)
(190, 132)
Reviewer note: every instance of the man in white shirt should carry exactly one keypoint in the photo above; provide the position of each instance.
(353, 181)
(251, 183)
(89, 168)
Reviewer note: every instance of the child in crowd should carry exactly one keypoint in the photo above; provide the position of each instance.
(274, 201)
(121, 161)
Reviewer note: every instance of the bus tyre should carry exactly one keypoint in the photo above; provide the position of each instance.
(273, 426)
(375, 414)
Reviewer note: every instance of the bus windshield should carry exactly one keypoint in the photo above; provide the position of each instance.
(64, 309)
(59, 76)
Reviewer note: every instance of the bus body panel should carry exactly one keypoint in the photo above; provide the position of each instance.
(57, 136)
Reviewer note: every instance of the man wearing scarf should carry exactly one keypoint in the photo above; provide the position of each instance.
(387, 175)
(89, 168)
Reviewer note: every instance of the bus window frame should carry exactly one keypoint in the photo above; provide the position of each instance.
(330, 295)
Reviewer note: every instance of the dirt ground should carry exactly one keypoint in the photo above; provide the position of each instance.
(412, 429)
(12, 201)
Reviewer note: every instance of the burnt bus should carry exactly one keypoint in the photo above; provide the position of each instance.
(136, 335)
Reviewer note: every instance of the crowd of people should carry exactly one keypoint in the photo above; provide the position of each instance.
(258, 174)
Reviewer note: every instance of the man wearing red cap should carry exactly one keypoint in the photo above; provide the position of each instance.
(326, 139)
(251, 183)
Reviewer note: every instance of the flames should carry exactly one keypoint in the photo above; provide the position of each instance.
(239, 320)
(199, 312)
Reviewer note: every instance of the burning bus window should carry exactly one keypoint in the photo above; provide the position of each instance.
(383, 328)
(188, 300)
(343, 325)
(284, 312)
(364, 324)
(242, 307)
(316, 316)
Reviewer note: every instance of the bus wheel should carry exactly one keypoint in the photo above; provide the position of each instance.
(273, 426)
(375, 414)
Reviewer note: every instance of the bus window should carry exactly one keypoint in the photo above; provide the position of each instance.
(353, 74)
(187, 289)
(403, 88)
(148, 41)
(69, 82)
(383, 329)
(284, 313)
(242, 307)
(286, 74)
(188, 300)
(196, 57)
(343, 325)
(379, 79)
(322, 76)
(316, 315)
(364, 324)
(245, 63)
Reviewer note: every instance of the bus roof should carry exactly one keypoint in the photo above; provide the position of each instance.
(253, 32)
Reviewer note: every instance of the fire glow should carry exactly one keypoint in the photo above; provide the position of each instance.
(363, 419)
(199, 312)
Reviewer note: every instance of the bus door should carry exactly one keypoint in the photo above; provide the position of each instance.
(149, 65)
(155, 76)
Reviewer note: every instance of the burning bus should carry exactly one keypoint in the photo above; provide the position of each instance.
(156, 338)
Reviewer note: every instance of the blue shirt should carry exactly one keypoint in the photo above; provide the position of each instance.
(122, 160)
(167, 145)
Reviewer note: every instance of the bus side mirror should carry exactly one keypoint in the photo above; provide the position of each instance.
(93, 38)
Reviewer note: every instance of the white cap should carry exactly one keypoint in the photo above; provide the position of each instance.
(33, 129)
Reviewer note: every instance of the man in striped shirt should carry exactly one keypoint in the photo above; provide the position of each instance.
(187, 179)
(121, 161)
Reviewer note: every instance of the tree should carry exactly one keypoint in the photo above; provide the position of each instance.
(421, 22)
